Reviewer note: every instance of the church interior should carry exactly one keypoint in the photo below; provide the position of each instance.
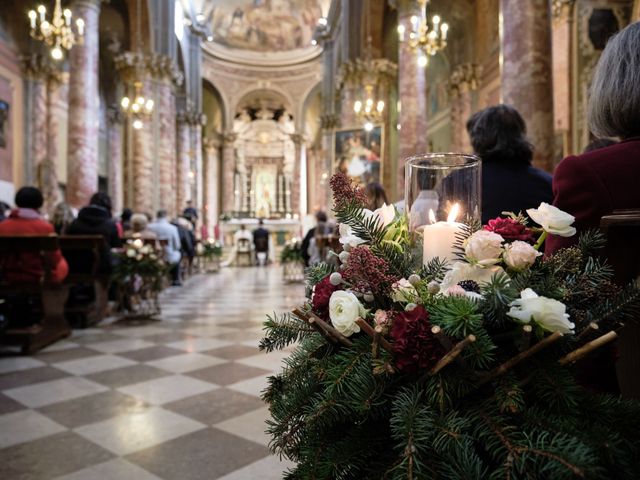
(228, 116)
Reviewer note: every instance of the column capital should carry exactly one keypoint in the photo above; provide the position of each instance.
(362, 71)
(115, 115)
(464, 77)
(297, 138)
(329, 121)
(38, 67)
(229, 137)
(561, 9)
(191, 117)
(211, 143)
(160, 67)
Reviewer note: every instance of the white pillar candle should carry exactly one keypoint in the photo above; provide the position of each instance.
(440, 237)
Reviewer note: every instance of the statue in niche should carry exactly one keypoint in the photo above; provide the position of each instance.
(264, 114)
(286, 122)
(242, 120)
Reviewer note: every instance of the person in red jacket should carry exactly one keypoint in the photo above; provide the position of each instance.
(26, 220)
(598, 182)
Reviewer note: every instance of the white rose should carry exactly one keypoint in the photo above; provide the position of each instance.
(402, 291)
(386, 214)
(520, 255)
(484, 248)
(550, 314)
(344, 310)
(461, 271)
(131, 253)
(347, 238)
(553, 220)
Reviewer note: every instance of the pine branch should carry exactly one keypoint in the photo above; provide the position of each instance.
(283, 331)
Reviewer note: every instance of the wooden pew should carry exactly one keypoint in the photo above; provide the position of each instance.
(622, 228)
(51, 298)
(86, 248)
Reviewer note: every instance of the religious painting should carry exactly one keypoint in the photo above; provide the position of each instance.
(4, 122)
(358, 154)
(264, 188)
(265, 25)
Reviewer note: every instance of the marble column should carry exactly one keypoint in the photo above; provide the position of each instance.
(298, 141)
(412, 94)
(115, 157)
(142, 163)
(526, 71)
(166, 112)
(228, 171)
(197, 164)
(463, 82)
(48, 168)
(183, 192)
(562, 44)
(211, 209)
(83, 107)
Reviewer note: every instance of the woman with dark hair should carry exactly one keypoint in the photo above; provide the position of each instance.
(509, 182)
(376, 195)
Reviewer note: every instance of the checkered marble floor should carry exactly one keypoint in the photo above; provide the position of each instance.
(171, 399)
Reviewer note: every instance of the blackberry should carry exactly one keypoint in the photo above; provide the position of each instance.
(470, 286)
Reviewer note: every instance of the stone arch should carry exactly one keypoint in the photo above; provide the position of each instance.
(271, 92)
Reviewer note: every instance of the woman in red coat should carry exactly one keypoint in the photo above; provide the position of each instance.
(596, 183)
(25, 220)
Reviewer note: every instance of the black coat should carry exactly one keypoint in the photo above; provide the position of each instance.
(93, 220)
(512, 188)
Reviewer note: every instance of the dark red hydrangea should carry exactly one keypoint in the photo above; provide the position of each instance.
(321, 296)
(345, 191)
(415, 347)
(510, 229)
(368, 273)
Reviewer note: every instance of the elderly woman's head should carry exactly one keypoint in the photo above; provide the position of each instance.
(614, 105)
(139, 222)
(498, 134)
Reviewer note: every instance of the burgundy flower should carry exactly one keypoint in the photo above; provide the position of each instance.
(510, 229)
(415, 347)
(345, 191)
(368, 273)
(321, 296)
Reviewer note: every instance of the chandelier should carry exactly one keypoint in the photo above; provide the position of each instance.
(368, 109)
(137, 107)
(57, 33)
(428, 39)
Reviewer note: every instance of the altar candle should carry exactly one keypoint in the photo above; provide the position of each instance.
(440, 237)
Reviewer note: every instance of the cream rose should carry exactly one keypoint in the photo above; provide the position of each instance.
(553, 220)
(131, 253)
(548, 313)
(347, 238)
(344, 310)
(402, 291)
(484, 248)
(520, 255)
(461, 271)
(386, 214)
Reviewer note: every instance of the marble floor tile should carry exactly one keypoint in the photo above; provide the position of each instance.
(267, 468)
(253, 386)
(199, 344)
(28, 377)
(46, 393)
(24, 426)
(123, 345)
(233, 352)
(98, 363)
(206, 454)
(93, 408)
(66, 355)
(8, 405)
(141, 331)
(186, 362)
(227, 373)
(117, 469)
(50, 457)
(151, 353)
(13, 364)
(127, 375)
(130, 433)
(271, 361)
(250, 426)
(58, 346)
(167, 389)
(216, 406)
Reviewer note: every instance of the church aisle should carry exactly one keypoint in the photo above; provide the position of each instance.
(171, 399)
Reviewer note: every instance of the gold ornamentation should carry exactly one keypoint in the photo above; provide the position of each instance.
(59, 33)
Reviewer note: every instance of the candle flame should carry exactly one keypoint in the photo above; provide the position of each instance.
(453, 213)
(432, 216)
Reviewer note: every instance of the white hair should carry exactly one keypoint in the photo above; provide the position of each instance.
(614, 105)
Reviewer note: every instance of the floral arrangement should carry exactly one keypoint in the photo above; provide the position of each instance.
(292, 251)
(139, 265)
(210, 248)
(465, 369)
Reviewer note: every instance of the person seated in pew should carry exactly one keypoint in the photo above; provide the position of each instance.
(95, 219)
(165, 231)
(26, 220)
(140, 228)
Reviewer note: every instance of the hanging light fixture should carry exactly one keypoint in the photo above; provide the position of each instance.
(138, 107)
(368, 107)
(59, 32)
(424, 37)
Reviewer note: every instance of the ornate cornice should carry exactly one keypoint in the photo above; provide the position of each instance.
(329, 121)
(561, 9)
(361, 71)
(39, 67)
(229, 138)
(191, 118)
(160, 67)
(464, 78)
